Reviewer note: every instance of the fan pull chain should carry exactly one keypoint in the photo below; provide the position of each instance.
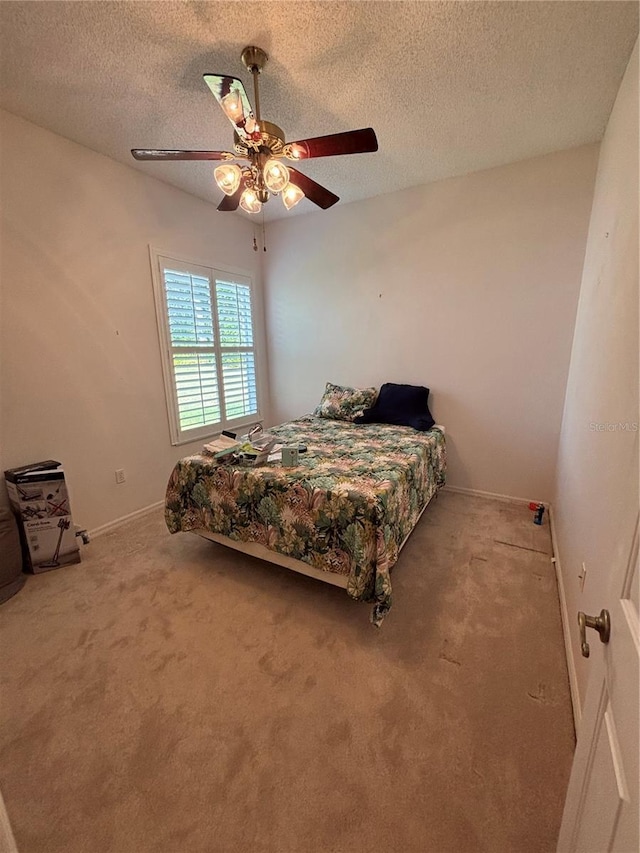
(264, 239)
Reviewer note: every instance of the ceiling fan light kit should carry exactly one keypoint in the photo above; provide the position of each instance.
(250, 202)
(276, 175)
(263, 145)
(228, 177)
(291, 196)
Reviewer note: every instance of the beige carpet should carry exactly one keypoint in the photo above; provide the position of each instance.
(171, 695)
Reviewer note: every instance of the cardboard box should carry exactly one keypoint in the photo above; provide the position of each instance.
(39, 499)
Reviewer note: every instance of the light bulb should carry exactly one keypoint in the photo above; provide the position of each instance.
(232, 105)
(291, 196)
(249, 201)
(228, 177)
(276, 175)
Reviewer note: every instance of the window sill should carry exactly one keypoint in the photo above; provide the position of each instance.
(238, 428)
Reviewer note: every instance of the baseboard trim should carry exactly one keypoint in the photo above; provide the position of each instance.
(566, 628)
(498, 497)
(118, 522)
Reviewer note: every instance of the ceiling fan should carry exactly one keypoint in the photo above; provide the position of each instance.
(263, 145)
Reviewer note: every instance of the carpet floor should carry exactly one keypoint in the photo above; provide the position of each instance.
(171, 695)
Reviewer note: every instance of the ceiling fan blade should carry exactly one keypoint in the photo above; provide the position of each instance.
(231, 202)
(153, 154)
(316, 193)
(352, 142)
(232, 97)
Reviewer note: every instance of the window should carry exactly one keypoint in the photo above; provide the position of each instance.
(205, 322)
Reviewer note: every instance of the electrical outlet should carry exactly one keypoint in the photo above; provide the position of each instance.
(120, 477)
(583, 577)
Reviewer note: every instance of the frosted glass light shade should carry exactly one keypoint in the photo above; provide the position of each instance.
(291, 196)
(249, 201)
(276, 175)
(232, 105)
(228, 177)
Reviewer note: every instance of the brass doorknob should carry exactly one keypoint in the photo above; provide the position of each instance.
(601, 624)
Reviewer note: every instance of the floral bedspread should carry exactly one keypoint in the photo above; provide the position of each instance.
(347, 507)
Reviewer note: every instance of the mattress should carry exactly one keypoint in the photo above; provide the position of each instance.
(346, 508)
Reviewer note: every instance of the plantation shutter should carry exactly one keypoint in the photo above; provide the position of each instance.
(208, 334)
(192, 348)
(236, 344)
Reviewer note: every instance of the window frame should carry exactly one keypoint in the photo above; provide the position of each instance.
(160, 259)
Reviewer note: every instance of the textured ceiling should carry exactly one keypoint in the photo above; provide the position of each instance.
(449, 87)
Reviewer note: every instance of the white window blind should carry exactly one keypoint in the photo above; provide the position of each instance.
(207, 333)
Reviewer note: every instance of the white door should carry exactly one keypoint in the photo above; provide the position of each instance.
(601, 809)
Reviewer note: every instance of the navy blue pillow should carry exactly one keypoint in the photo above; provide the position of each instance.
(401, 405)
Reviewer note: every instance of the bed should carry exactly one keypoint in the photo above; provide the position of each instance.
(341, 515)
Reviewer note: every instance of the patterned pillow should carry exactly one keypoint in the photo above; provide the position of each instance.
(341, 403)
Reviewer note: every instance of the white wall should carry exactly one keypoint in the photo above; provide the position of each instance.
(468, 286)
(596, 501)
(81, 377)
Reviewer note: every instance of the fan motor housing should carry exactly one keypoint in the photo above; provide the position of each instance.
(272, 138)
